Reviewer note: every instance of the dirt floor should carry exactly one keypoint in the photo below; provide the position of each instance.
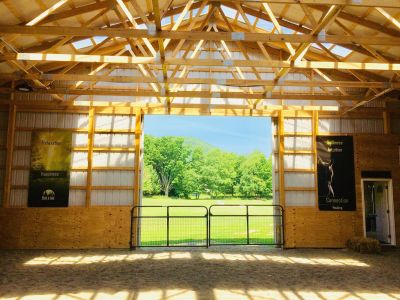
(217, 273)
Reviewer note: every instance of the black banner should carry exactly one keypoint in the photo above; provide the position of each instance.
(50, 169)
(336, 182)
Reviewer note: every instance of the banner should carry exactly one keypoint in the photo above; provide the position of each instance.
(336, 183)
(50, 169)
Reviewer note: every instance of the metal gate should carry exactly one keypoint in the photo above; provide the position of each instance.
(246, 225)
(198, 226)
(169, 226)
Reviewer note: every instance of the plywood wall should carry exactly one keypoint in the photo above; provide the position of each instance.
(65, 228)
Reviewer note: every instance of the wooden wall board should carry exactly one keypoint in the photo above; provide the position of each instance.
(65, 228)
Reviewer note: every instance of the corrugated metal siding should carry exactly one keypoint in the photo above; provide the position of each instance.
(298, 142)
(110, 161)
(303, 161)
(297, 125)
(299, 180)
(300, 198)
(348, 126)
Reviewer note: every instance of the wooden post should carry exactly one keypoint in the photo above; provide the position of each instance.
(137, 175)
(91, 127)
(314, 150)
(281, 159)
(386, 123)
(9, 152)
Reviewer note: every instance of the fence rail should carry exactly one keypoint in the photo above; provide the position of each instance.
(199, 226)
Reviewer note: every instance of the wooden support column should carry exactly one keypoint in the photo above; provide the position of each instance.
(12, 112)
(386, 123)
(314, 150)
(281, 137)
(91, 127)
(137, 175)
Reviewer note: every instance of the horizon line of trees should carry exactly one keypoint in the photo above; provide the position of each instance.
(173, 168)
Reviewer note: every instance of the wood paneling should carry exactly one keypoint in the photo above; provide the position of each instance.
(64, 228)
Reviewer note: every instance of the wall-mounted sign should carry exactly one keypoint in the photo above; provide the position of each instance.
(50, 169)
(335, 163)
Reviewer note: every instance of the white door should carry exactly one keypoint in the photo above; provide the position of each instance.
(377, 211)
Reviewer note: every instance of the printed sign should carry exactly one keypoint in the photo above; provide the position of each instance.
(336, 183)
(50, 169)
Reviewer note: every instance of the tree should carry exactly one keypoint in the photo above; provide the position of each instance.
(169, 157)
(151, 184)
(256, 176)
(219, 172)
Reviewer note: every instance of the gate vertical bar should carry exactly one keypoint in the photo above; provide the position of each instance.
(247, 225)
(167, 226)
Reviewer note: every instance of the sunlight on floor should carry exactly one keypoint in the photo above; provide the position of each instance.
(284, 259)
(94, 259)
(299, 295)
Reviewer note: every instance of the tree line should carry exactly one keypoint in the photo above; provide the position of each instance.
(175, 168)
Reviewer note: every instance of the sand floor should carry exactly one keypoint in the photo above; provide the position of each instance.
(217, 273)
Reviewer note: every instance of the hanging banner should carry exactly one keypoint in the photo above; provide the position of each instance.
(50, 169)
(335, 163)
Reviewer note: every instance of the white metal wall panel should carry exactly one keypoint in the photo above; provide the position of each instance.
(303, 161)
(20, 177)
(19, 198)
(348, 126)
(78, 178)
(299, 180)
(21, 158)
(79, 139)
(51, 120)
(114, 122)
(77, 198)
(297, 125)
(114, 140)
(299, 198)
(297, 142)
(112, 178)
(79, 159)
(106, 197)
(113, 159)
(22, 138)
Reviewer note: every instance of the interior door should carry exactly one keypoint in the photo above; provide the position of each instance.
(376, 203)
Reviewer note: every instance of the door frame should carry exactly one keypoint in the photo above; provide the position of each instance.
(391, 207)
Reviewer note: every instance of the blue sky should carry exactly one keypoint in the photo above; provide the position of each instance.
(241, 135)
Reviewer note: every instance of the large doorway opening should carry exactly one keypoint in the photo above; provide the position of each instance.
(378, 210)
(207, 180)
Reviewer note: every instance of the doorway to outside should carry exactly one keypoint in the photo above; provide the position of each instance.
(378, 210)
(207, 181)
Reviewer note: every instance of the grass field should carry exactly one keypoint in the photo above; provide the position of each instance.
(188, 224)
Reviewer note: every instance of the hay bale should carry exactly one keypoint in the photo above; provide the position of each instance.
(364, 245)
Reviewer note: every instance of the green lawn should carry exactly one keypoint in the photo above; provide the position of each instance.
(228, 225)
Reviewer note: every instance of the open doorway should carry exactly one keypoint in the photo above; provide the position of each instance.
(222, 164)
(378, 210)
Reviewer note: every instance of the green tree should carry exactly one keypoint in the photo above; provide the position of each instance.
(169, 157)
(256, 176)
(151, 184)
(219, 173)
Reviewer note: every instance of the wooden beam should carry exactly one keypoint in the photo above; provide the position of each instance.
(190, 94)
(360, 3)
(83, 58)
(198, 35)
(224, 82)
